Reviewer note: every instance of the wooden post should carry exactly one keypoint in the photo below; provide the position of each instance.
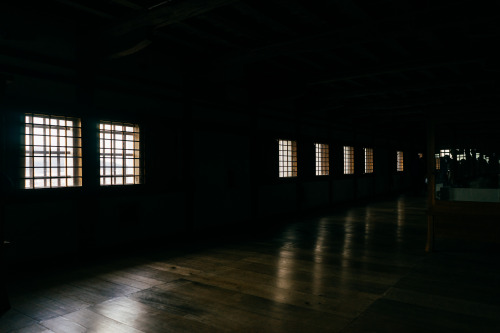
(431, 181)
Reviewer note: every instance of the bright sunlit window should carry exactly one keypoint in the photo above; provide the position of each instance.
(368, 160)
(53, 151)
(119, 153)
(400, 163)
(348, 160)
(442, 153)
(322, 159)
(438, 161)
(445, 152)
(287, 158)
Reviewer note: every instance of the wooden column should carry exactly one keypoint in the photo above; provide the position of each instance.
(88, 204)
(254, 164)
(431, 181)
(187, 153)
(4, 300)
(302, 169)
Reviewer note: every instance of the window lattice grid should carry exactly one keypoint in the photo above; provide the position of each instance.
(368, 160)
(287, 158)
(348, 160)
(438, 161)
(400, 163)
(119, 153)
(53, 151)
(322, 159)
(445, 152)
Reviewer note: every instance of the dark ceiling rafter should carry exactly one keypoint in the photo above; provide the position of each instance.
(172, 40)
(87, 9)
(211, 38)
(230, 26)
(143, 25)
(170, 12)
(394, 89)
(298, 10)
(431, 101)
(261, 18)
(394, 68)
(128, 4)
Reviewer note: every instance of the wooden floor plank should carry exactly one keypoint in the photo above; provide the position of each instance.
(453, 304)
(303, 314)
(94, 322)
(350, 303)
(63, 325)
(386, 315)
(131, 280)
(14, 320)
(146, 318)
(36, 328)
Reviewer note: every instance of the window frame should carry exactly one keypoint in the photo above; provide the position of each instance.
(369, 164)
(348, 159)
(287, 158)
(107, 132)
(400, 161)
(322, 159)
(68, 158)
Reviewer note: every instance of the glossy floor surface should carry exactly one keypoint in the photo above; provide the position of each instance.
(362, 269)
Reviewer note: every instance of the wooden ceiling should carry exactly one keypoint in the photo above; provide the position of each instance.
(390, 64)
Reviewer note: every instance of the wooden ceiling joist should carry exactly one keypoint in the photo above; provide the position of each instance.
(167, 14)
(393, 69)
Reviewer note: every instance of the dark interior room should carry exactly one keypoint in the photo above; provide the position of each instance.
(249, 166)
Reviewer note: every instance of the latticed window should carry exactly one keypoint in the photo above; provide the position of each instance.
(322, 159)
(444, 152)
(438, 161)
(348, 160)
(53, 151)
(400, 161)
(287, 158)
(119, 153)
(368, 160)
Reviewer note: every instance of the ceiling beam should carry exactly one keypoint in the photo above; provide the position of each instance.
(86, 9)
(127, 3)
(166, 14)
(231, 26)
(168, 41)
(450, 100)
(131, 50)
(393, 69)
(247, 10)
(399, 88)
(298, 10)
(202, 34)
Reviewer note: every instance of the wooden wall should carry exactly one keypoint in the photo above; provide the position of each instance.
(210, 165)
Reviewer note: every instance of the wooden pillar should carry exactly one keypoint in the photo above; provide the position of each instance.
(431, 181)
(254, 165)
(301, 160)
(88, 204)
(187, 153)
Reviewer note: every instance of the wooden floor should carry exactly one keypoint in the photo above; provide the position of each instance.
(362, 269)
